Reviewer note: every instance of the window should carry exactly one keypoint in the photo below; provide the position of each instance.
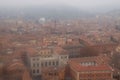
(50, 74)
(45, 52)
(46, 64)
(41, 52)
(53, 63)
(37, 64)
(56, 62)
(42, 64)
(65, 57)
(37, 59)
(33, 64)
(37, 70)
(55, 74)
(33, 71)
(49, 63)
(33, 59)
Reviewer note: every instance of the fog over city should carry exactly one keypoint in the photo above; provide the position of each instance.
(57, 8)
(81, 4)
(84, 3)
(59, 39)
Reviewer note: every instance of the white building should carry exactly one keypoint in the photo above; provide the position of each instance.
(47, 57)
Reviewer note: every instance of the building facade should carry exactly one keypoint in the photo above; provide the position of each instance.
(89, 69)
(53, 73)
(46, 58)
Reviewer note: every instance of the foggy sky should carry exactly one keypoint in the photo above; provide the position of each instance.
(77, 3)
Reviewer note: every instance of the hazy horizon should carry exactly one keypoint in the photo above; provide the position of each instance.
(81, 4)
(58, 8)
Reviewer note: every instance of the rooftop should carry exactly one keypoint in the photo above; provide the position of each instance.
(90, 64)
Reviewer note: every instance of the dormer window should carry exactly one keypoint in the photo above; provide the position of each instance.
(92, 63)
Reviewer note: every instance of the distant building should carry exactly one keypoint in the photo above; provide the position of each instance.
(42, 20)
(89, 69)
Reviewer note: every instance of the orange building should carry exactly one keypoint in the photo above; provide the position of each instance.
(16, 70)
(53, 73)
(89, 70)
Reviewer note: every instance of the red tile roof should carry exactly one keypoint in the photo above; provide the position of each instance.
(80, 68)
(75, 64)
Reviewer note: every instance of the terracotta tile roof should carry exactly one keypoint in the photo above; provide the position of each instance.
(102, 59)
(14, 65)
(75, 64)
(80, 68)
(59, 50)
